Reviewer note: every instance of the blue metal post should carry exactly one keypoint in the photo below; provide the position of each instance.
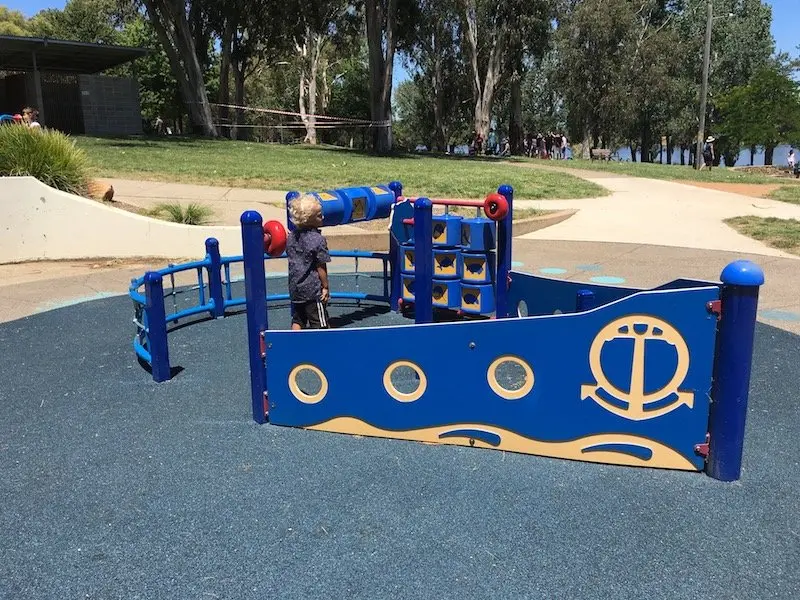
(504, 237)
(255, 289)
(214, 270)
(156, 326)
(741, 281)
(584, 301)
(423, 261)
(289, 197)
(394, 255)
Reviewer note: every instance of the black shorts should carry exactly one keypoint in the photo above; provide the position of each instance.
(310, 315)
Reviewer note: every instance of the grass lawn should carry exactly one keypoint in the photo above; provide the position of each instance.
(271, 166)
(787, 193)
(668, 172)
(778, 233)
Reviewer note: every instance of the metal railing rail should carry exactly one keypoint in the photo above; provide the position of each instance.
(215, 295)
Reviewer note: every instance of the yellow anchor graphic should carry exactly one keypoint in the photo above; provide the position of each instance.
(638, 328)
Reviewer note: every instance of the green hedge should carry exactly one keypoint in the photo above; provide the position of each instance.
(46, 154)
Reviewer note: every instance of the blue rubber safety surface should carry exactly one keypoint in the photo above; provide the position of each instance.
(113, 486)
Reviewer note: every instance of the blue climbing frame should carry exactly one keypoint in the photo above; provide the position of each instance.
(212, 297)
(590, 391)
(648, 377)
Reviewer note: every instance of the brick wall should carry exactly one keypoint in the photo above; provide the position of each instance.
(110, 105)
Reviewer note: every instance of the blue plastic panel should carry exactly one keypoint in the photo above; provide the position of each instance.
(544, 296)
(625, 383)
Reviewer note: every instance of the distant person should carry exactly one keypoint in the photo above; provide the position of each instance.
(491, 142)
(791, 159)
(563, 147)
(30, 116)
(708, 152)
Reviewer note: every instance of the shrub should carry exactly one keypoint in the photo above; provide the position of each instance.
(194, 214)
(46, 154)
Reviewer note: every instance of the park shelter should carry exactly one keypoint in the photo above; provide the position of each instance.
(63, 80)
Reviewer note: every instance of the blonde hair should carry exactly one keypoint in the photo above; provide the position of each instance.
(303, 209)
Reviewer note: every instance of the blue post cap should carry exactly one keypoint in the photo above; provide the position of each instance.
(423, 203)
(152, 277)
(396, 187)
(743, 273)
(250, 217)
(505, 189)
(212, 242)
(292, 195)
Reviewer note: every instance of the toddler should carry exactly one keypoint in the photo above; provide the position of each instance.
(307, 251)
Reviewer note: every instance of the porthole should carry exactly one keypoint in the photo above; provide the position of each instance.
(308, 384)
(404, 381)
(510, 377)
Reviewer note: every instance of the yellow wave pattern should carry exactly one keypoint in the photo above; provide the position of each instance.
(662, 457)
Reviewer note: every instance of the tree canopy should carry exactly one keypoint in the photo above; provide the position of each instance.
(607, 73)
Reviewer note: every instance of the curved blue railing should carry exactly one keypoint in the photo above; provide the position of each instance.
(215, 295)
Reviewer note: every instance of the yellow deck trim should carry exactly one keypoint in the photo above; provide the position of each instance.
(663, 456)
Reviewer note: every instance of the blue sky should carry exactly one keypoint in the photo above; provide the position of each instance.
(785, 23)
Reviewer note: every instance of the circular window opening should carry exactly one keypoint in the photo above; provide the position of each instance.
(404, 381)
(522, 308)
(510, 377)
(308, 384)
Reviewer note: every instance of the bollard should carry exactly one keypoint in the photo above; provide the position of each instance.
(739, 304)
(504, 237)
(156, 326)
(215, 278)
(423, 261)
(584, 300)
(255, 288)
(394, 256)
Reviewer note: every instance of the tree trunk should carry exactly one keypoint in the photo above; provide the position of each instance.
(633, 151)
(769, 150)
(670, 149)
(310, 57)
(483, 92)
(683, 155)
(381, 41)
(440, 132)
(515, 122)
(172, 29)
(752, 154)
(224, 76)
(731, 155)
(647, 142)
(239, 77)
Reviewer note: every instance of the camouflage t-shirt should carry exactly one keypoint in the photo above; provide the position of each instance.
(306, 249)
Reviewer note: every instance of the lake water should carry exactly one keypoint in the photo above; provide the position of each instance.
(778, 157)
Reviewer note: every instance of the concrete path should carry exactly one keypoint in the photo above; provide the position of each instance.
(638, 211)
(648, 211)
(645, 233)
(31, 288)
(228, 203)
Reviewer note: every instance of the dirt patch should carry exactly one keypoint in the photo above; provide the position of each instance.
(754, 190)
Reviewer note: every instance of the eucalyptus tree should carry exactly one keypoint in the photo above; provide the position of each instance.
(171, 21)
(327, 32)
